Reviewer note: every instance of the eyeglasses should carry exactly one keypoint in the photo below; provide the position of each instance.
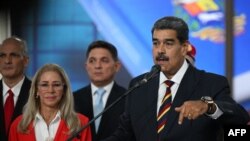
(46, 86)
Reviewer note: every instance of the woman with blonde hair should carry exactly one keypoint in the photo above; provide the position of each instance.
(49, 113)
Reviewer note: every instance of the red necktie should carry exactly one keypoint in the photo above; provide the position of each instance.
(8, 110)
(165, 107)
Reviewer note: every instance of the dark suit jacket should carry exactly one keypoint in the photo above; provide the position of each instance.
(22, 99)
(110, 119)
(139, 120)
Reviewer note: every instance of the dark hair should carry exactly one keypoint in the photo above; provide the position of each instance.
(174, 23)
(103, 44)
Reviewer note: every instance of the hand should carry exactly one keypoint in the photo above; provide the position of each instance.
(191, 110)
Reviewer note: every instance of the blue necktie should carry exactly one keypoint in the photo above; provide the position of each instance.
(98, 106)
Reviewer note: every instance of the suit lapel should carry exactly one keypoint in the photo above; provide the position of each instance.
(106, 117)
(89, 104)
(62, 131)
(2, 124)
(151, 95)
(22, 98)
(89, 101)
(112, 97)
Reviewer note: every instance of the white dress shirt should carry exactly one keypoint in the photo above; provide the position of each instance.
(46, 132)
(176, 79)
(16, 90)
(107, 88)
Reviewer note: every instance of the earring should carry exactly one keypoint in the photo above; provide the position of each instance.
(37, 96)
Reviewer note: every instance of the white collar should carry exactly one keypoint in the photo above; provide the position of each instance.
(38, 117)
(16, 89)
(178, 76)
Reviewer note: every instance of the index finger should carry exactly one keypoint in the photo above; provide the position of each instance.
(181, 114)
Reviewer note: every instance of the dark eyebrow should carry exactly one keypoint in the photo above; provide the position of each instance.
(11, 53)
(172, 40)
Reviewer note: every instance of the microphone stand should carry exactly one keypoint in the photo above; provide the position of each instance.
(155, 70)
(106, 109)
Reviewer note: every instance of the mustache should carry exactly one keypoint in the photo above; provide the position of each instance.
(161, 57)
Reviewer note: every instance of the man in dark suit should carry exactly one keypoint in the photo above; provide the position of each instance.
(13, 61)
(200, 102)
(102, 64)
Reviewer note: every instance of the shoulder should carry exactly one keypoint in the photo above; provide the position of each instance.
(82, 90)
(214, 77)
(27, 80)
(205, 75)
(83, 118)
(139, 77)
(17, 121)
(119, 87)
(136, 79)
(19, 118)
(210, 78)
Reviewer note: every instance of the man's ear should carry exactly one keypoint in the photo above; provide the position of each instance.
(185, 45)
(118, 66)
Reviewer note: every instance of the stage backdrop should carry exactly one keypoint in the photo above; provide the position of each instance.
(60, 30)
(127, 23)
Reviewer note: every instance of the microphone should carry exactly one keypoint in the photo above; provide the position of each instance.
(154, 70)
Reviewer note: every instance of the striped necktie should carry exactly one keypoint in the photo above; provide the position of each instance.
(165, 107)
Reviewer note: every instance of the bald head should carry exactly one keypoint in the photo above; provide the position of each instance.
(13, 60)
(17, 42)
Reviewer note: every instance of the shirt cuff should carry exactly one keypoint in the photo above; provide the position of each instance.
(216, 114)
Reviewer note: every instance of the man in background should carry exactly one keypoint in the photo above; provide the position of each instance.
(14, 85)
(102, 64)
